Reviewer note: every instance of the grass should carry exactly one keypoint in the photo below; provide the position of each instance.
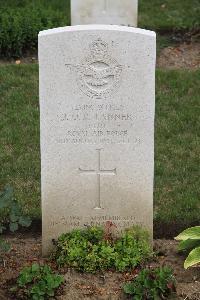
(61, 5)
(169, 15)
(159, 15)
(177, 186)
(21, 20)
(20, 25)
(163, 41)
(177, 183)
(19, 139)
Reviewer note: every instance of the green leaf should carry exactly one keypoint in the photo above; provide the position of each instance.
(4, 245)
(193, 258)
(40, 281)
(6, 196)
(15, 209)
(35, 268)
(50, 293)
(13, 227)
(14, 218)
(188, 244)
(13, 289)
(25, 277)
(25, 221)
(37, 297)
(192, 233)
(129, 288)
(2, 228)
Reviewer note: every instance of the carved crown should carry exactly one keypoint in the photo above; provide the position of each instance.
(99, 48)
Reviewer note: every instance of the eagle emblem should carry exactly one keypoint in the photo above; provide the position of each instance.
(99, 74)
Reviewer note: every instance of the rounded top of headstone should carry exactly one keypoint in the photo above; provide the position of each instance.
(97, 27)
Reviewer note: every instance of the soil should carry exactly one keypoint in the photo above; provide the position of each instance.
(182, 56)
(26, 249)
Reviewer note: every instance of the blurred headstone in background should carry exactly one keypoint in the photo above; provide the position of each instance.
(113, 12)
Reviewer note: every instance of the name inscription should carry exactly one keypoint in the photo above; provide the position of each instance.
(94, 124)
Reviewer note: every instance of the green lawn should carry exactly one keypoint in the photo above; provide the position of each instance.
(21, 20)
(168, 15)
(153, 14)
(19, 138)
(177, 185)
(177, 156)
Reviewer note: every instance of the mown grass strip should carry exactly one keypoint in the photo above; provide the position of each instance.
(169, 15)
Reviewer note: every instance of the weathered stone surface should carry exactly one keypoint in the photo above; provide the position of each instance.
(97, 127)
(115, 12)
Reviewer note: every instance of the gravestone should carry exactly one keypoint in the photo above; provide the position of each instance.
(116, 12)
(97, 98)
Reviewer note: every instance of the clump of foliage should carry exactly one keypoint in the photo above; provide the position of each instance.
(91, 249)
(37, 283)
(190, 241)
(19, 27)
(151, 284)
(14, 214)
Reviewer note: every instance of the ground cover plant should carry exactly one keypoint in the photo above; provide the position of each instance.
(177, 185)
(19, 27)
(151, 284)
(11, 215)
(190, 241)
(90, 250)
(37, 283)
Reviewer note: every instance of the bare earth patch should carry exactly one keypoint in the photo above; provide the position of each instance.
(184, 56)
(26, 249)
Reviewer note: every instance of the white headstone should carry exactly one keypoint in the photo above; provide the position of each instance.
(115, 12)
(97, 98)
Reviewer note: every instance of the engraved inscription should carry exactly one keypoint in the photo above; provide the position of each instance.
(100, 73)
(99, 172)
(119, 222)
(98, 123)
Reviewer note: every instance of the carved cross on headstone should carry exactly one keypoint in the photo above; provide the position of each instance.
(99, 172)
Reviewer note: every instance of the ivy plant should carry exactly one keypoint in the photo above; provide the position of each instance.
(37, 283)
(151, 284)
(190, 241)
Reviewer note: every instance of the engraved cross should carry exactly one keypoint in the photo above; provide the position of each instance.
(99, 172)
